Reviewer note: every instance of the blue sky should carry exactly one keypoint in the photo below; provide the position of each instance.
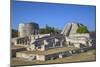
(55, 15)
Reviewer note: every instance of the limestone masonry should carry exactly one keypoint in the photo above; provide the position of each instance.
(42, 47)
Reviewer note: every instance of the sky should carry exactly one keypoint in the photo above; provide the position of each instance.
(54, 15)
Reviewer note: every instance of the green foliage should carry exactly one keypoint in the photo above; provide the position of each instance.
(82, 29)
(14, 33)
(49, 29)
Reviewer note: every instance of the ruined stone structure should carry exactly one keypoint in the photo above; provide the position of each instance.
(26, 29)
(44, 47)
(79, 40)
(28, 40)
(16, 49)
(70, 28)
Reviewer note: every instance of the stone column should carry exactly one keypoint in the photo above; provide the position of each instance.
(53, 43)
(61, 43)
(16, 42)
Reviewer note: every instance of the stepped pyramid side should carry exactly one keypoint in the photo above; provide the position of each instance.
(66, 29)
(74, 28)
(70, 28)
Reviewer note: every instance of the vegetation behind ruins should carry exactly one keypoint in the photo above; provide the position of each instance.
(82, 29)
(49, 29)
(14, 33)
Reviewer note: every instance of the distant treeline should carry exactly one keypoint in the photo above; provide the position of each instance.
(49, 29)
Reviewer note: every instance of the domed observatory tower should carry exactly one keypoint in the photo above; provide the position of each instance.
(26, 29)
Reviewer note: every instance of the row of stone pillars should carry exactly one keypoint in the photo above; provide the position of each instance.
(22, 41)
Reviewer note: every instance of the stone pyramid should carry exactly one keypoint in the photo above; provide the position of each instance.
(71, 28)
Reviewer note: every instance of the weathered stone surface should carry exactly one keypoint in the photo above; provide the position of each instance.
(70, 28)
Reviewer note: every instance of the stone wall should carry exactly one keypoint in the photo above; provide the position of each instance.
(17, 50)
(80, 35)
(24, 55)
(30, 56)
(40, 57)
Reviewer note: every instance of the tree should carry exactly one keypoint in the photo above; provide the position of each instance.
(14, 33)
(48, 29)
(82, 29)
